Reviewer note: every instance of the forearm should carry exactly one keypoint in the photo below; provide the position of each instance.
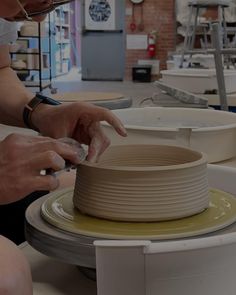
(13, 97)
(13, 94)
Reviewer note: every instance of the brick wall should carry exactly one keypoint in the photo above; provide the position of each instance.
(158, 15)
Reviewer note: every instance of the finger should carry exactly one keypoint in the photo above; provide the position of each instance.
(46, 160)
(27, 138)
(70, 141)
(99, 143)
(74, 143)
(71, 153)
(81, 134)
(101, 114)
(44, 183)
(99, 135)
(93, 151)
(44, 139)
(105, 145)
(95, 142)
(96, 149)
(115, 122)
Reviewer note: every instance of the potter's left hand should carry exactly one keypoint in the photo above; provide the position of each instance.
(80, 121)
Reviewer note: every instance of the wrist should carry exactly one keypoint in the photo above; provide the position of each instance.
(34, 110)
(37, 116)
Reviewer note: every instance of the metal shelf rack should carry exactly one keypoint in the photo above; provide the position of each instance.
(41, 83)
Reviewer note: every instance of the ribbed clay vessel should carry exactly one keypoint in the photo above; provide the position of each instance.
(143, 183)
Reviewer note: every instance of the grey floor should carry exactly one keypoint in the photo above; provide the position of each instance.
(136, 91)
(141, 94)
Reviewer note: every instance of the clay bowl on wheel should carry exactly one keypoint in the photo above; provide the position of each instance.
(143, 183)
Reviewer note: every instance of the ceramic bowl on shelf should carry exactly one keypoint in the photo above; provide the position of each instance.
(143, 183)
(15, 47)
(29, 29)
(19, 64)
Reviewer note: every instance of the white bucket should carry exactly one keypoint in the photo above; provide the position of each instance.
(198, 80)
(209, 131)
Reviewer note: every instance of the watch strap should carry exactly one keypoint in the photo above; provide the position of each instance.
(32, 105)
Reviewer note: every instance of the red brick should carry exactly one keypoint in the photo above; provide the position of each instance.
(158, 15)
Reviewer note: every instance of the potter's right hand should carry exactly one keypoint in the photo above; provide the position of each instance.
(22, 158)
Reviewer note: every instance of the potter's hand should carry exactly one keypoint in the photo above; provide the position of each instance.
(22, 158)
(80, 121)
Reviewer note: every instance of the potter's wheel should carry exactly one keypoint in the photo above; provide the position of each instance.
(77, 248)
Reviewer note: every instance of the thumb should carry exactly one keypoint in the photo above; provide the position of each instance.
(94, 150)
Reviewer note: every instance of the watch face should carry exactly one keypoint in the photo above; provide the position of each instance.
(137, 1)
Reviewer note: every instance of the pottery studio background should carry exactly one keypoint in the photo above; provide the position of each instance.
(167, 70)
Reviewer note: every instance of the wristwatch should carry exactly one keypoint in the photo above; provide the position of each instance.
(32, 105)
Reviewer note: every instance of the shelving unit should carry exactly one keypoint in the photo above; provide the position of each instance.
(47, 53)
(33, 59)
(61, 47)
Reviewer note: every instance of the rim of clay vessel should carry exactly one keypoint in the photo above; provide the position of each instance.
(164, 129)
(200, 158)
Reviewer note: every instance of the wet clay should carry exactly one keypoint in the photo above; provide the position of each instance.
(143, 183)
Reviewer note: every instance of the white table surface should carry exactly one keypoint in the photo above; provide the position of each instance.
(51, 277)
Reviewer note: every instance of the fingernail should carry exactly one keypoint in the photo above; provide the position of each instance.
(123, 130)
(92, 156)
(70, 141)
(92, 160)
(82, 154)
(60, 163)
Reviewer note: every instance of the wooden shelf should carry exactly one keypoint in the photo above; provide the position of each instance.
(64, 41)
(38, 65)
(28, 53)
(45, 84)
(63, 25)
(26, 69)
(61, 22)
